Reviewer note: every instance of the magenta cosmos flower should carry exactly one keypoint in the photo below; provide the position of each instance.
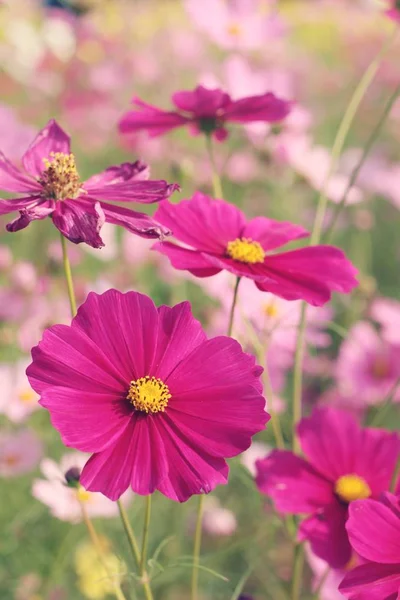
(342, 463)
(51, 186)
(158, 404)
(221, 238)
(374, 533)
(393, 11)
(205, 111)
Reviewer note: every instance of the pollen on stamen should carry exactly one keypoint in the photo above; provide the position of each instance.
(245, 250)
(60, 179)
(149, 395)
(352, 487)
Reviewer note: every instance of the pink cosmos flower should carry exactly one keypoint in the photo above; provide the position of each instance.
(367, 365)
(394, 11)
(158, 404)
(374, 532)
(386, 312)
(17, 399)
(205, 111)
(65, 500)
(20, 452)
(222, 239)
(342, 463)
(218, 521)
(51, 186)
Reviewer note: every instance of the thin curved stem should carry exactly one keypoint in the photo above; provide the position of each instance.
(133, 545)
(216, 180)
(297, 580)
(145, 539)
(196, 548)
(366, 151)
(97, 544)
(68, 276)
(233, 306)
(337, 148)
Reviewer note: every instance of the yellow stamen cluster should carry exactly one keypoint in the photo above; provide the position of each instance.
(352, 487)
(246, 251)
(83, 495)
(60, 179)
(27, 396)
(149, 395)
(234, 29)
(271, 310)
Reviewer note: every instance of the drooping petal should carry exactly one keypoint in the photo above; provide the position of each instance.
(266, 107)
(8, 206)
(80, 221)
(151, 119)
(310, 274)
(136, 222)
(137, 459)
(187, 260)
(374, 529)
(137, 171)
(131, 190)
(202, 222)
(292, 483)
(125, 326)
(327, 535)
(14, 180)
(52, 138)
(372, 582)
(191, 470)
(27, 215)
(273, 234)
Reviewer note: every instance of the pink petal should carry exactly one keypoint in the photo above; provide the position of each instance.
(292, 483)
(135, 222)
(80, 221)
(202, 102)
(310, 274)
(191, 470)
(374, 530)
(372, 582)
(273, 234)
(14, 180)
(8, 206)
(266, 107)
(327, 535)
(137, 171)
(202, 222)
(50, 139)
(125, 326)
(137, 459)
(27, 215)
(151, 119)
(187, 260)
(146, 192)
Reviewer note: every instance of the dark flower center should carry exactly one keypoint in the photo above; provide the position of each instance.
(208, 124)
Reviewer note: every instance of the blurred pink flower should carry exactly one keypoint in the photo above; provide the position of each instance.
(65, 501)
(52, 188)
(20, 452)
(386, 312)
(257, 451)
(325, 579)
(394, 11)
(367, 366)
(40, 313)
(15, 136)
(17, 399)
(24, 277)
(205, 111)
(6, 257)
(237, 24)
(217, 520)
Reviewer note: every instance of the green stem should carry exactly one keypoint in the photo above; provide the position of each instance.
(379, 416)
(337, 148)
(395, 476)
(275, 422)
(68, 276)
(233, 306)
(367, 149)
(196, 548)
(297, 579)
(145, 539)
(216, 180)
(133, 545)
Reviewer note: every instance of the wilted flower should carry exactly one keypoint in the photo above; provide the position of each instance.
(205, 111)
(221, 238)
(52, 187)
(342, 463)
(142, 388)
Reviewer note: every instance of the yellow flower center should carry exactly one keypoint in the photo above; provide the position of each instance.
(234, 29)
(271, 309)
(27, 396)
(246, 251)
(352, 487)
(83, 495)
(60, 179)
(149, 395)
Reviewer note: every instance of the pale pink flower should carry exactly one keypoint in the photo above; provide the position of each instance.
(257, 451)
(17, 398)
(325, 579)
(65, 502)
(43, 312)
(15, 136)
(386, 311)
(5, 258)
(24, 277)
(20, 452)
(217, 520)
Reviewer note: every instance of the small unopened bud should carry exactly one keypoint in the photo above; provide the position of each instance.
(72, 477)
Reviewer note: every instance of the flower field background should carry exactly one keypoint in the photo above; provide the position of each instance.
(208, 138)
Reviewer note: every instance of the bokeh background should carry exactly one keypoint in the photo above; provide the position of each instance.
(81, 62)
